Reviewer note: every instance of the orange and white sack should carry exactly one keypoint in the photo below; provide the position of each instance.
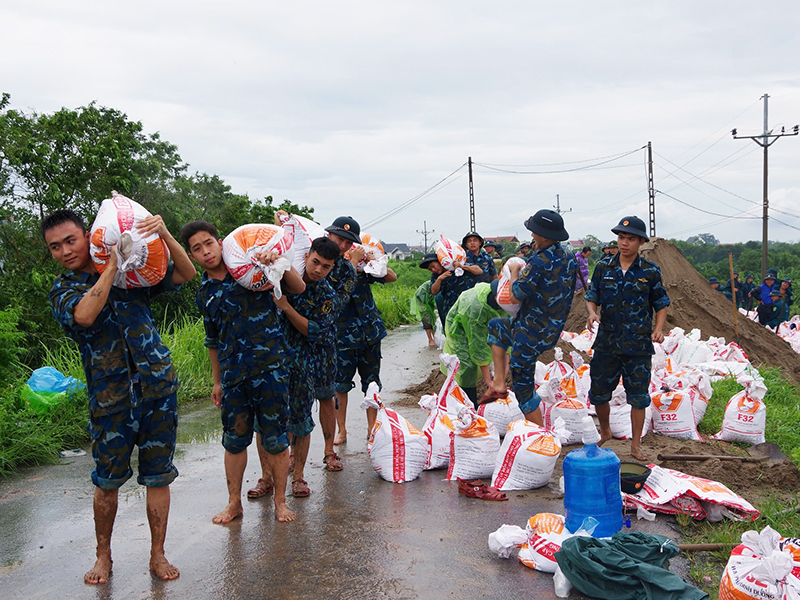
(141, 261)
(504, 286)
(554, 371)
(451, 398)
(762, 567)
(501, 412)
(527, 457)
(304, 231)
(581, 341)
(474, 445)
(673, 415)
(437, 430)
(239, 253)
(396, 448)
(697, 385)
(570, 410)
(379, 264)
(745, 417)
(546, 533)
(448, 252)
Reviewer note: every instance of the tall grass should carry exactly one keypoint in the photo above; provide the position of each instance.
(394, 299)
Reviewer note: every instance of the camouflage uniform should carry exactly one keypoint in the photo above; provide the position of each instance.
(449, 291)
(485, 262)
(466, 332)
(311, 353)
(253, 359)
(545, 290)
(624, 346)
(359, 333)
(131, 382)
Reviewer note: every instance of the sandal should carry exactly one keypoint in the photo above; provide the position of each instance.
(477, 489)
(333, 462)
(263, 487)
(491, 395)
(300, 488)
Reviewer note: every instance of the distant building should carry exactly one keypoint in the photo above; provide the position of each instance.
(397, 251)
(504, 239)
(576, 245)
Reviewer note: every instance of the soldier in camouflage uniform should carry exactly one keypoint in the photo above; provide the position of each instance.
(446, 287)
(478, 257)
(131, 382)
(309, 327)
(344, 231)
(628, 289)
(543, 287)
(249, 362)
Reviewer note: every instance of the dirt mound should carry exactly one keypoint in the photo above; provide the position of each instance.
(695, 305)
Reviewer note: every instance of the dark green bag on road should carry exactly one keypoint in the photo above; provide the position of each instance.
(628, 566)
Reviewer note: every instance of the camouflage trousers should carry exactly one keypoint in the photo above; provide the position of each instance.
(263, 398)
(606, 369)
(366, 360)
(151, 425)
(522, 363)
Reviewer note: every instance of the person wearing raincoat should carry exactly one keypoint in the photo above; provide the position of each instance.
(466, 331)
(423, 307)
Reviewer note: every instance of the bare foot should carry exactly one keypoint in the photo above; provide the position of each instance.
(431, 344)
(100, 572)
(163, 569)
(283, 514)
(340, 438)
(230, 512)
(604, 437)
(637, 453)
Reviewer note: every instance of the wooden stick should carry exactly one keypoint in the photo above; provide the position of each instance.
(694, 457)
(706, 547)
(733, 299)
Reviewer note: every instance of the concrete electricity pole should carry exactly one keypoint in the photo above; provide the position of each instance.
(651, 190)
(558, 206)
(765, 140)
(471, 198)
(425, 233)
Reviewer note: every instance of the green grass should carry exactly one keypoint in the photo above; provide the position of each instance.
(394, 299)
(783, 413)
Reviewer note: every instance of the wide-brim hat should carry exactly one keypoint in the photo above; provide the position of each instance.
(548, 224)
(347, 228)
(429, 258)
(713, 280)
(469, 235)
(633, 225)
(611, 244)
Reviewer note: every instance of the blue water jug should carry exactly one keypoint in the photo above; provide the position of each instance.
(591, 485)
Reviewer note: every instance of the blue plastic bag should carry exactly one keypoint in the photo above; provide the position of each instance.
(48, 387)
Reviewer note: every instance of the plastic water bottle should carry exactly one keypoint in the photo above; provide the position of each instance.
(591, 485)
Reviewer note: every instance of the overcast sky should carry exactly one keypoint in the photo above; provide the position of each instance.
(359, 107)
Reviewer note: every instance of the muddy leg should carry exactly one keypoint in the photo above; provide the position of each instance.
(158, 499)
(341, 419)
(327, 421)
(279, 467)
(637, 424)
(500, 362)
(105, 511)
(235, 465)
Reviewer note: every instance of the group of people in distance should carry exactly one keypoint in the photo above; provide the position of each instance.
(274, 353)
(772, 300)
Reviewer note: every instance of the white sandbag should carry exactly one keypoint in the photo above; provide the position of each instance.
(546, 533)
(304, 232)
(474, 445)
(448, 252)
(141, 261)
(379, 263)
(398, 450)
(451, 398)
(745, 417)
(527, 457)
(508, 537)
(571, 411)
(501, 412)
(619, 419)
(504, 293)
(239, 250)
(673, 415)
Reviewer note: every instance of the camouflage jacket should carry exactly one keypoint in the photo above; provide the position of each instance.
(342, 279)
(449, 291)
(627, 302)
(243, 326)
(360, 323)
(104, 354)
(485, 262)
(316, 305)
(544, 288)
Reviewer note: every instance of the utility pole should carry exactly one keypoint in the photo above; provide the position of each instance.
(651, 190)
(765, 140)
(425, 233)
(558, 206)
(471, 197)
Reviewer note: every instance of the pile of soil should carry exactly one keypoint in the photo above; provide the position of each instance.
(694, 305)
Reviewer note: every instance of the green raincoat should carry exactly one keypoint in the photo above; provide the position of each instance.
(467, 330)
(423, 305)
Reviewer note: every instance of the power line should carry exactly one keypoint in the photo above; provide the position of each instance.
(604, 161)
(708, 212)
(569, 162)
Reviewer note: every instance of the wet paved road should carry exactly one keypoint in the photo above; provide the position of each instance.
(356, 536)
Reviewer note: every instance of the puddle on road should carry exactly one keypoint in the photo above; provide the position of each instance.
(199, 423)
